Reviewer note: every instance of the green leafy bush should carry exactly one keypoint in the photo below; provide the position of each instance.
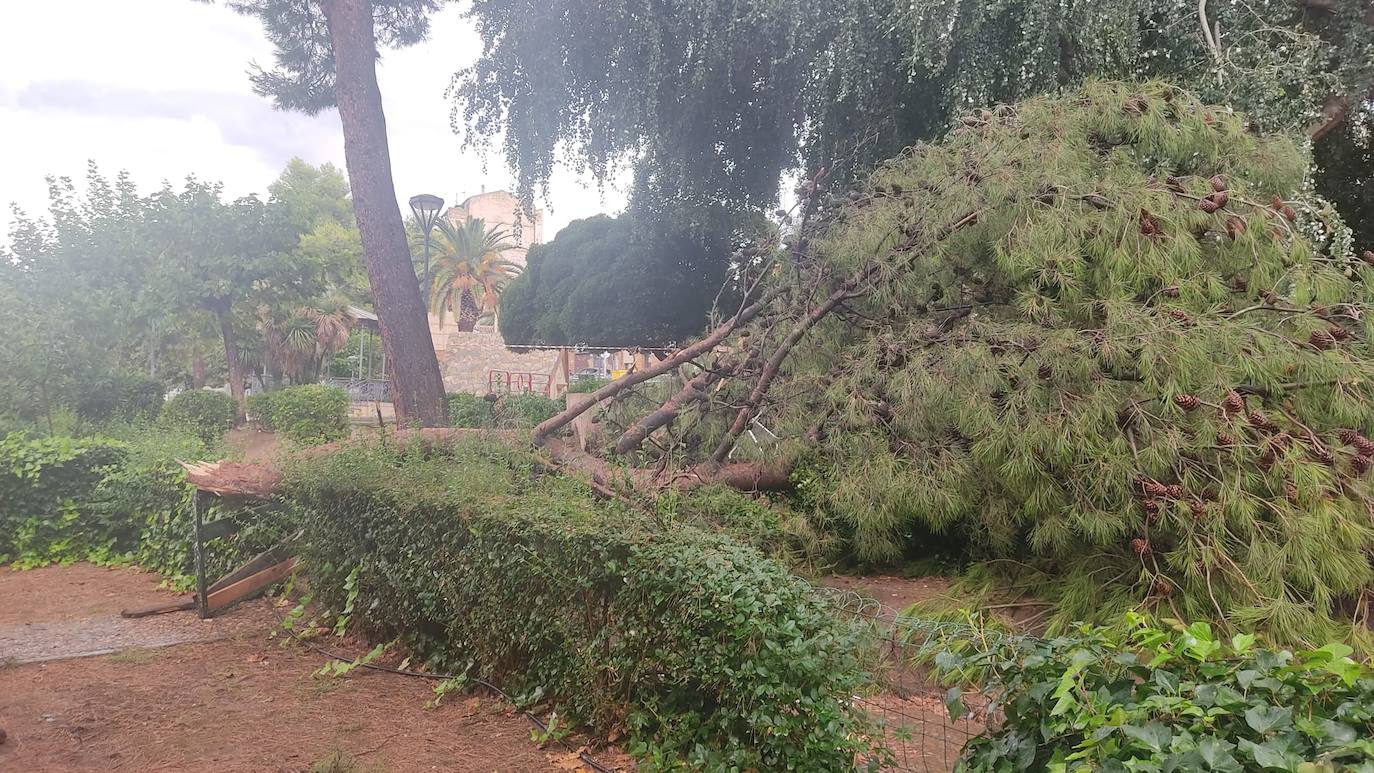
(1141, 698)
(310, 414)
(45, 487)
(206, 413)
(587, 385)
(709, 654)
(515, 411)
(469, 411)
(127, 397)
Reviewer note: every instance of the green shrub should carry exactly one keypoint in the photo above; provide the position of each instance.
(712, 656)
(587, 385)
(46, 487)
(126, 397)
(1146, 699)
(206, 413)
(514, 411)
(469, 411)
(525, 410)
(310, 414)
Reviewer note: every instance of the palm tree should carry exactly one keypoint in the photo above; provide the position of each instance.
(298, 345)
(469, 271)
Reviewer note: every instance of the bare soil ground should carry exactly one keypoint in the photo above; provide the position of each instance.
(894, 593)
(242, 702)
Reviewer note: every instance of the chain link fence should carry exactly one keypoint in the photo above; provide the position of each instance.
(906, 699)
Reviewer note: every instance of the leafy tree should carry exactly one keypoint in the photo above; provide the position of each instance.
(619, 282)
(216, 256)
(714, 99)
(326, 56)
(469, 262)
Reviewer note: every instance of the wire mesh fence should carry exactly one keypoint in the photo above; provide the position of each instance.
(906, 700)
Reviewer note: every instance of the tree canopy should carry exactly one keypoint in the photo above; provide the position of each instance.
(715, 99)
(610, 281)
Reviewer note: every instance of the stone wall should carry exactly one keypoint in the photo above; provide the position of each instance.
(467, 360)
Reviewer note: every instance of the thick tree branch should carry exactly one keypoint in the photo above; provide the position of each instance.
(693, 391)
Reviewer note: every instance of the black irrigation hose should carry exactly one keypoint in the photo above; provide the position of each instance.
(586, 758)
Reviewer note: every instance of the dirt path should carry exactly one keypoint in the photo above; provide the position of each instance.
(239, 702)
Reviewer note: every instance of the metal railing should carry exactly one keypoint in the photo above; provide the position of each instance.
(362, 390)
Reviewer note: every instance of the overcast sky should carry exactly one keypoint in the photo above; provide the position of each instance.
(160, 88)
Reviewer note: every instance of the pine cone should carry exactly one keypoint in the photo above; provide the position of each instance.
(1364, 446)
(1258, 420)
(1175, 491)
(1045, 372)
(1208, 206)
(1140, 545)
(1240, 283)
(1163, 588)
(1368, 257)
(1154, 488)
(1233, 402)
(1180, 315)
(1224, 439)
(1339, 333)
(1151, 508)
(1199, 509)
(1271, 297)
(1349, 436)
(1171, 291)
(1218, 184)
(1219, 198)
(1276, 203)
(1321, 340)
(1360, 464)
(1174, 184)
(1234, 227)
(1289, 213)
(1188, 402)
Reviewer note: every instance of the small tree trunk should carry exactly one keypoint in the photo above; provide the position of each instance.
(197, 365)
(231, 356)
(418, 388)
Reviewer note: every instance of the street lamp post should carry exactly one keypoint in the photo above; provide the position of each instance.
(426, 207)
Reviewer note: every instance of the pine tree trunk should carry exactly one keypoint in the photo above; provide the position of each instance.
(417, 387)
(231, 357)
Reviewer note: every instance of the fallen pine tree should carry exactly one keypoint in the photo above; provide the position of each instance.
(1103, 334)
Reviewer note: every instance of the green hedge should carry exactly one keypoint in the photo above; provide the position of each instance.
(206, 413)
(711, 656)
(517, 411)
(45, 484)
(115, 500)
(1143, 698)
(126, 397)
(308, 414)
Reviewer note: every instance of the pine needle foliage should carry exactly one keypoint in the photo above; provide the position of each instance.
(1102, 333)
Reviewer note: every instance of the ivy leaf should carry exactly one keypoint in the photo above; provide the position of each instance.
(1152, 735)
(1263, 719)
(1264, 754)
(954, 703)
(1216, 753)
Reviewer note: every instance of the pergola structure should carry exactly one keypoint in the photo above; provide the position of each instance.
(367, 380)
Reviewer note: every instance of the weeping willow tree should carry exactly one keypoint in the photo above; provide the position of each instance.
(712, 100)
(1102, 334)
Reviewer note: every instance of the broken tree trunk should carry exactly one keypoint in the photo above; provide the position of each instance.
(678, 358)
(693, 391)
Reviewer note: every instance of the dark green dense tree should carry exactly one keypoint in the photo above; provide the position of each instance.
(615, 282)
(326, 56)
(715, 99)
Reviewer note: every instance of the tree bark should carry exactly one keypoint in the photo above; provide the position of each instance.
(197, 365)
(692, 391)
(418, 388)
(686, 354)
(224, 314)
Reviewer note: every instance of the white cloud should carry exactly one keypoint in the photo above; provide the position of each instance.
(160, 88)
